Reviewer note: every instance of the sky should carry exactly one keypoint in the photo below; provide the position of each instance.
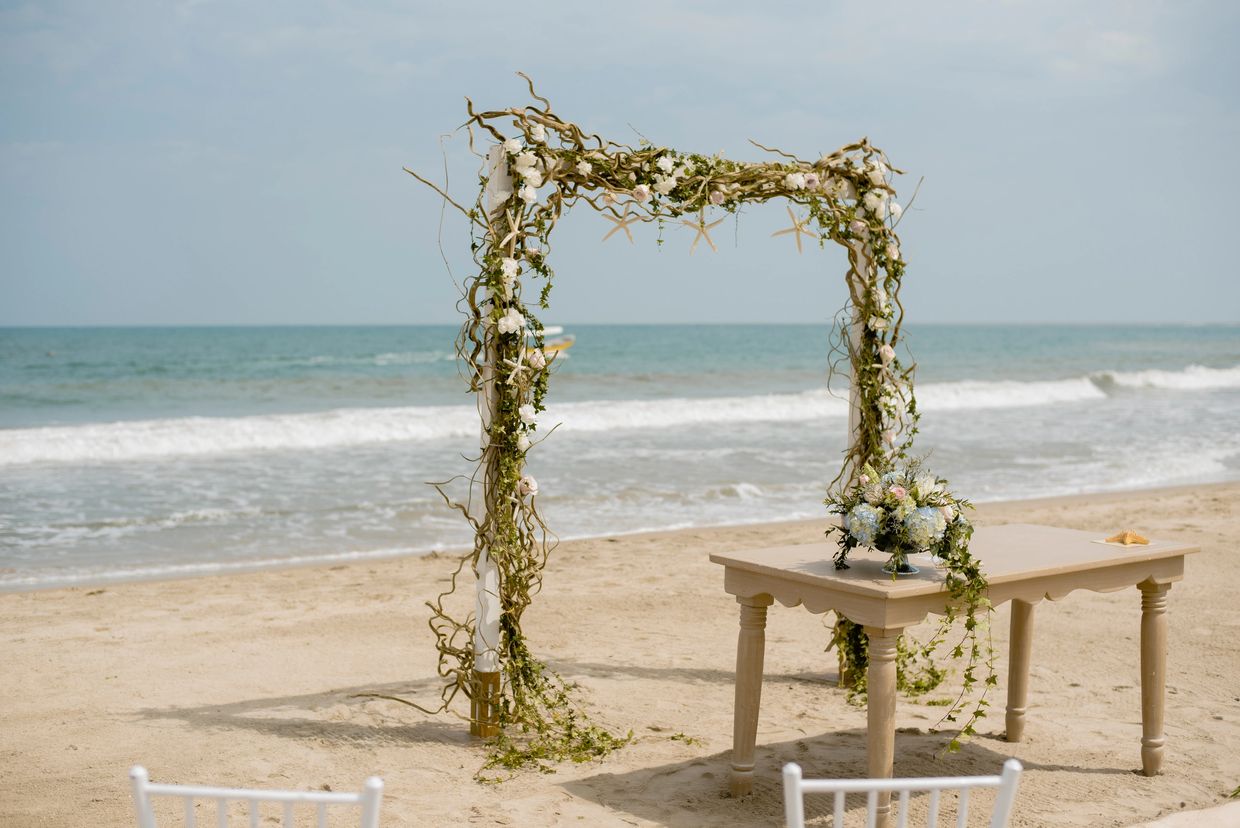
(206, 162)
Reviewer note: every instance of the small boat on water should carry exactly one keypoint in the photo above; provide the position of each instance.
(555, 341)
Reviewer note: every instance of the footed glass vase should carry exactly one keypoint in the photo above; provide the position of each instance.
(897, 564)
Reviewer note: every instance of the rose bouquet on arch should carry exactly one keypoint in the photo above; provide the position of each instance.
(900, 510)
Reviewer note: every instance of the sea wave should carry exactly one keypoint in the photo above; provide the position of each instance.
(1192, 378)
(198, 436)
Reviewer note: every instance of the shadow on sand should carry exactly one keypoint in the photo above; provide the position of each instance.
(694, 792)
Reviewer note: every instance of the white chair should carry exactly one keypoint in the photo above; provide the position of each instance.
(795, 788)
(369, 799)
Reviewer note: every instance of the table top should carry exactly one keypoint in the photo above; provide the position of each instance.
(1013, 552)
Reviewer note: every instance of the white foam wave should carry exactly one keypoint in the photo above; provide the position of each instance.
(200, 436)
(196, 436)
(971, 394)
(1192, 378)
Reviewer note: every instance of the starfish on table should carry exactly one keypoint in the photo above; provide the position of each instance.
(798, 227)
(621, 223)
(703, 230)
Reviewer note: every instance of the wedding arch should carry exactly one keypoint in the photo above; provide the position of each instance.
(537, 165)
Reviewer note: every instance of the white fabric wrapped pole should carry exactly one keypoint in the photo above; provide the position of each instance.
(486, 683)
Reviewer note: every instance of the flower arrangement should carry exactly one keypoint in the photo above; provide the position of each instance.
(900, 511)
(904, 508)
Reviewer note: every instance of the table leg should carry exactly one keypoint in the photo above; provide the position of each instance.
(881, 710)
(750, 652)
(1153, 673)
(1020, 647)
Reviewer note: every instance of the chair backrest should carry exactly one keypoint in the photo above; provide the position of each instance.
(368, 799)
(795, 788)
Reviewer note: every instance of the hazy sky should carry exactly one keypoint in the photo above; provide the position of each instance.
(240, 162)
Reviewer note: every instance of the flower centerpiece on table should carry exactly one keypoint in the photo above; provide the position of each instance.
(900, 510)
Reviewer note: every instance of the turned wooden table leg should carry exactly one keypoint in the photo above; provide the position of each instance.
(881, 711)
(1153, 673)
(750, 652)
(1020, 648)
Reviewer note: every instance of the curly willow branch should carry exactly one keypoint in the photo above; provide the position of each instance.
(549, 165)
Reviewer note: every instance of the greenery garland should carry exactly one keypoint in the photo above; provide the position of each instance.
(544, 166)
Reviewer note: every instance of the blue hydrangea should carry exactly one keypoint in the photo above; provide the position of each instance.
(925, 526)
(862, 523)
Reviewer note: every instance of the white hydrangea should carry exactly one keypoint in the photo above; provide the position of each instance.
(795, 181)
(512, 146)
(666, 163)
(538, 132)
(527, 414)
(584, 168)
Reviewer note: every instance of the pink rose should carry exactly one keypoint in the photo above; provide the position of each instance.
(538, 360)
(856, 227)
(898, 492)
(886, 354)
(641, 193)
(865, 480)
(527, 486)
(716, 197)
(811, 181)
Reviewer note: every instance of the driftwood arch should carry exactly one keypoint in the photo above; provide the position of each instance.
(537, 165)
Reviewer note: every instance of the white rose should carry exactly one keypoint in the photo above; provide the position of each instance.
(509, 267)
(794, 181)
(524, 161)
(886, 354)
(511, 322)
(641, 193)
(893, 251)
(532, 177)
(528, 194)
(876, 202)
(528, 415)
(523, 442)
(538, 132)
(527, 487)
(896, 210)
(537, 359)
(584, 168)
(878, 172)
(663, 184)
(665, 163)
(512, 146)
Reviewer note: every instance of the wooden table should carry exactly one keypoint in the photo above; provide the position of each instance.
(1023, 564)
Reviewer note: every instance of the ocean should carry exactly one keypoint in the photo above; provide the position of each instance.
(129, 453)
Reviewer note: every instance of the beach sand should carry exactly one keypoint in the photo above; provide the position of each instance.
(251, 680)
